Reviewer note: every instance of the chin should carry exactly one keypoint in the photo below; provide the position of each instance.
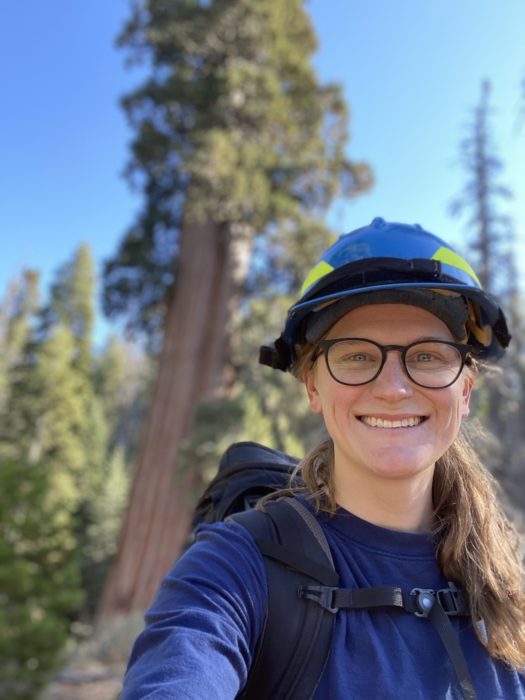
(402, 466)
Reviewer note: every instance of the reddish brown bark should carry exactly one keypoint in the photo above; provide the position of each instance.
(190, 367)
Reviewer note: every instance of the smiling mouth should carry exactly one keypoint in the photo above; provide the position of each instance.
(374, 422)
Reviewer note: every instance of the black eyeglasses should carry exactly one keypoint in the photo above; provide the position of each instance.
(433, 364)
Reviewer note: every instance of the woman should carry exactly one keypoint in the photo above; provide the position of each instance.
(388, 337)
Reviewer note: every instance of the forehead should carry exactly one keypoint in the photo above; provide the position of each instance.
(383, 322)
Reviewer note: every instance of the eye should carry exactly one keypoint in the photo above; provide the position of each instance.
(424, 357)
(354, 357)
(431, 355)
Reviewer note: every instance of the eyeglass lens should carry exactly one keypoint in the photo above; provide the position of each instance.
(431, 364)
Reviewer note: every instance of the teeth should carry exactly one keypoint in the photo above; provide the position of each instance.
(383, 423)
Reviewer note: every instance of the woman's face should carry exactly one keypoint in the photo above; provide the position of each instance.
(384, 448)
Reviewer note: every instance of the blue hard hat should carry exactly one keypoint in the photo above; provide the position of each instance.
(389, 262)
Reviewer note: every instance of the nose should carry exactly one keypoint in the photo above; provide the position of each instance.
(393, 382)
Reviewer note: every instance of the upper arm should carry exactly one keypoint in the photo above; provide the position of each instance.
(204, 624)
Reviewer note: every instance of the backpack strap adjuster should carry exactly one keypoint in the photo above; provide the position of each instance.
(322, 595)
(452, 600)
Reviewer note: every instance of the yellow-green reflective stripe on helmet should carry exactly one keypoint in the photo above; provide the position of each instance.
(449, 257)
(320, 270)
(443, 254)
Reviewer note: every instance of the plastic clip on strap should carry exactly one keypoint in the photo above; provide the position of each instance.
(322, 595)
(437, 606)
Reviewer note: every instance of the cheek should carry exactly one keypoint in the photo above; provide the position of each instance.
(455, 407)
(330, 399)
(323, 393)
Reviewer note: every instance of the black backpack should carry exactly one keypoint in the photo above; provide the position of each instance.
(302, 581)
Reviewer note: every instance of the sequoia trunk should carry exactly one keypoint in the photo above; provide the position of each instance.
(191, 366)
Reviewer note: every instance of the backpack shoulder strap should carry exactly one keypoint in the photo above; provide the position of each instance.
(290, 657)
(437, 606)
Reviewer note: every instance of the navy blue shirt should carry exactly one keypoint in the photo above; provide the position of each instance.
(203, 627)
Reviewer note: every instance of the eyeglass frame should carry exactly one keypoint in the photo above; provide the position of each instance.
(323, 346)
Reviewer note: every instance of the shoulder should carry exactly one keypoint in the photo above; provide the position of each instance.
(223, 551)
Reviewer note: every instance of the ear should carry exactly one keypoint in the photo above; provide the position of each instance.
(311, 390)
(468, 385)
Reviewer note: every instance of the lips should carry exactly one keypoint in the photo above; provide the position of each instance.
(406, 422)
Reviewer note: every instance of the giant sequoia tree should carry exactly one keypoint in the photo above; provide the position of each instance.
(237, 148)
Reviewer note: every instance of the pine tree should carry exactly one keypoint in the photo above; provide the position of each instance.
(481, 195)
(71, 307)
(500, 402)
(39, 578)
(53, 410)
(39, 465)
(238, 148)
(71, 303)
(17, 311)
(52, 414)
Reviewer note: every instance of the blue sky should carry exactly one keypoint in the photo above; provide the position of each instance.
(411, 73)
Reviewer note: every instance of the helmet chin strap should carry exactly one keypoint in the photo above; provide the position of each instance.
(276, 356)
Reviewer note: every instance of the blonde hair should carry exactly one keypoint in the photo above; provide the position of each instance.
(477, 546)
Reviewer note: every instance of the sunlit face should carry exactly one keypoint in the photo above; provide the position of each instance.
(390, 428)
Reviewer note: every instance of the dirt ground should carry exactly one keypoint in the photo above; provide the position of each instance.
(93, 669)
(91, 680)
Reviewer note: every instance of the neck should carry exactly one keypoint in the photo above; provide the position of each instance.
(398, 504)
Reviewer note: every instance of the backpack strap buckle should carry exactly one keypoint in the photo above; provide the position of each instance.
(451, 600)
(424, 601)
(322, 595)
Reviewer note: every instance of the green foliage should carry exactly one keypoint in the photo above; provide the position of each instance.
(47, 408)
(71, 302)
(39, 582)
(257, 412)
(99, 525)
(67, 432)
(122, 381)
(54, 418)
(52, 411)
(263, 405)
(120, 385)
(107, 509)
(16, 314)
(231, 126)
